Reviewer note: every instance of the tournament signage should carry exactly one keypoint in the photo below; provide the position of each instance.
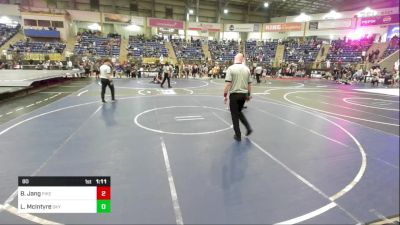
(242, 27)
(118, 18)
(216, 27)
(175, 24)
(137, 20)
(282, 27)
(379, 20)
(330, 24)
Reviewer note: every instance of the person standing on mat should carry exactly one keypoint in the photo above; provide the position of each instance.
(237, 83)
(106, 79)
(167, 70)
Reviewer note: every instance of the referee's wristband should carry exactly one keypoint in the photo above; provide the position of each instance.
(225, 94)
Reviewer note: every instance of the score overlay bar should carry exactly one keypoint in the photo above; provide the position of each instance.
(64, 194)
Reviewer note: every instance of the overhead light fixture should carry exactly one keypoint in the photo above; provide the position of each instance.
(367, 12)
(266, 4)
(332, 15)
(191, 11)
(5, 20)
(303, 18)
(133, 27)
(226, 11)
(94, 26)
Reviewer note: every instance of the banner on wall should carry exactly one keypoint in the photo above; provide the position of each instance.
(175, 24)
(86, 16)
(379, 20)
(331, 24)
(393, 30)
(116, 18)
(216, 27)
(137, 20)
(242, 27)
(282, 27)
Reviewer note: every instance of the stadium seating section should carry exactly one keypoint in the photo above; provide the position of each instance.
(95, 45)
(222, 51)
(306, 52)
(141, 47)
(349, 51)
(7, 32)
(393, 47)
(37, 47)
(261, 51)
(188, 50)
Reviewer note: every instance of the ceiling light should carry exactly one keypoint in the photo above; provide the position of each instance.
(266, 4)
(191, 11)
(226, 11)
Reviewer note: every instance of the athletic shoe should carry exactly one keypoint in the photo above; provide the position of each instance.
(237, 138)
(249, 132)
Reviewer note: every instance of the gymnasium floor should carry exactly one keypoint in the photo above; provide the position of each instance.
(321, 153)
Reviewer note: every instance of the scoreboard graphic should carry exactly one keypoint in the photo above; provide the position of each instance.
(64, 194)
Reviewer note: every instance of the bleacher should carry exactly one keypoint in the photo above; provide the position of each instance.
(222, 51)
(95, 45)
(306, 52)
(262, 52)
(144, 48)
(7, 32)
(188, 50)
(37, 47)
(349, 51)
(392, 48)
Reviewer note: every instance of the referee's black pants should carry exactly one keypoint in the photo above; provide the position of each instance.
(104, 84)
(236, 103)
(258, 78)
(166, 77)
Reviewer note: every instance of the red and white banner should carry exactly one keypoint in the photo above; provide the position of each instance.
(379, 20)
(175, 24)
(282, 27)
(216, 27)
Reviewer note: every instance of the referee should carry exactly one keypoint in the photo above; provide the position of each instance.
(237, 83)
(106, 80)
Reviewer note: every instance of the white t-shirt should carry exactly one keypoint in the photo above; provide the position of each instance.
(105, 71)
(258, 70)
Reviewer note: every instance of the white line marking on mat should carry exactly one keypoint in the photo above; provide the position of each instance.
(174, 195)
(185, 117)
(14, 194)
(189, 119)
(357, 110)
(82, 92)
(310, 214)
(11, 209)
(337, 114)
(190, 91)
(349, 101)
(30, 105)
(19, 109)
(9, 113)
